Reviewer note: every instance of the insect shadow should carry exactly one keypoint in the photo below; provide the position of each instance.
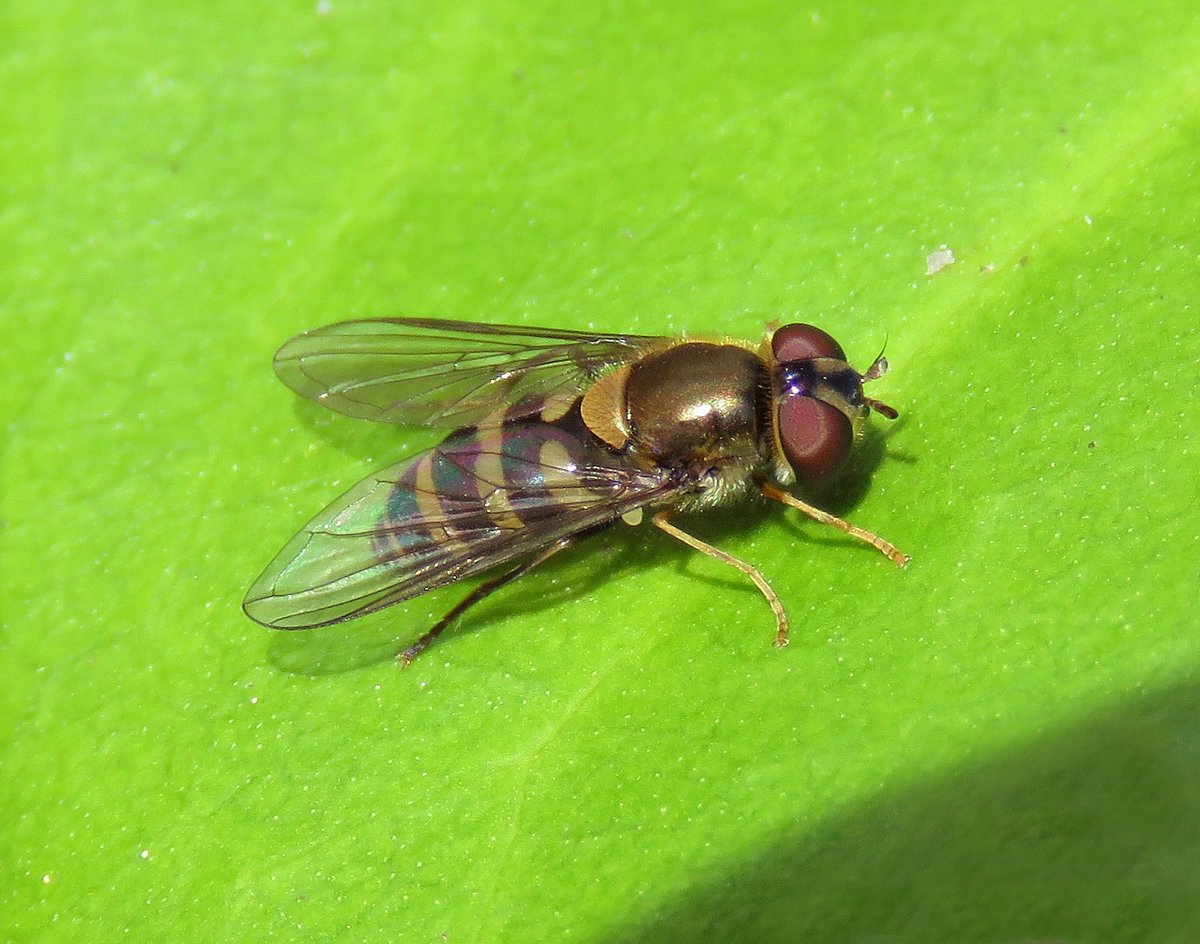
(846, 492)
(376, 639)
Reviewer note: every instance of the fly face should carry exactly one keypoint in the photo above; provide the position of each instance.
(820, 407)
(556, 435)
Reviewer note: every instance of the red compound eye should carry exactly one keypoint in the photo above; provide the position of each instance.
(815, 436)
(799, 342)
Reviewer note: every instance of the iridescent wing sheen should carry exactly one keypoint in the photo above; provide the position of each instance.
(443, 373)
(485, 496)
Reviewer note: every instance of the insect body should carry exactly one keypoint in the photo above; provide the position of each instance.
(556, 435)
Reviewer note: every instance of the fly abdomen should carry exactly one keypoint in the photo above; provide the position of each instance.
(514, 470)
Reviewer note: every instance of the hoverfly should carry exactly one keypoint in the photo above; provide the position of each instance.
(556, 435)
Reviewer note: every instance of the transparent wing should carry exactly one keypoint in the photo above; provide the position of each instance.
(478, 500)
(443, 373)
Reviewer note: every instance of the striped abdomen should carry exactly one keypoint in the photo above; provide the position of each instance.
(529, 472)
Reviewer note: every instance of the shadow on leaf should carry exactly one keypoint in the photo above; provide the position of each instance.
(1088, 835)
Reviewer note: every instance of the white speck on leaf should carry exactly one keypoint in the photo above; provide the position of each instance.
(938, 260)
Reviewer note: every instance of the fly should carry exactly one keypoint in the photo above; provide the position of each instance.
(555, 436)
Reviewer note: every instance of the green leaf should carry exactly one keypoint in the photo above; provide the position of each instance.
(996, 744)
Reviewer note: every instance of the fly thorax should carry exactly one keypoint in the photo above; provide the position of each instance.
(697, 402)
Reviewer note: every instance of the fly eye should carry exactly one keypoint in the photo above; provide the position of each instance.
(800, 342)
(815, 437)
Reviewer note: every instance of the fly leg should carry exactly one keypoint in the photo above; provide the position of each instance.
(889, 550)
(482, 592)
(661, 522)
